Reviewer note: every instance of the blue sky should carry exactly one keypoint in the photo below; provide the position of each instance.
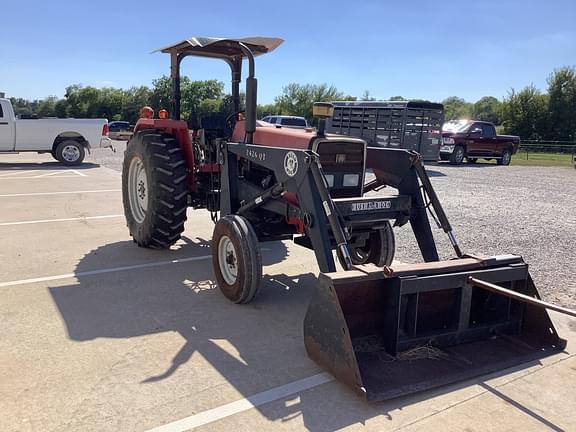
(417, 49)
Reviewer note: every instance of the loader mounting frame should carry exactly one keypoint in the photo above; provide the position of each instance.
(327, 221)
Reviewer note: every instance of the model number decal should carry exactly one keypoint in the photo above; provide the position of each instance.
(261, 156)
(371, 205)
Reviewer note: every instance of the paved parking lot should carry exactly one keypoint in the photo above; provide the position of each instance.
(101, 335)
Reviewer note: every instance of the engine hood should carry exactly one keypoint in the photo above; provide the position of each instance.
(270, 135)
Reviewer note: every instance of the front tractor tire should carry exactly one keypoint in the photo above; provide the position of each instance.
(154, 189)
(236, 259)
(379, 248)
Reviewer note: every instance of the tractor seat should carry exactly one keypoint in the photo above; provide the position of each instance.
(193, 121)
(215, 125)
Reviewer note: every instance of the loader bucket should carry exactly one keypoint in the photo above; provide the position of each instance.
(423, 325)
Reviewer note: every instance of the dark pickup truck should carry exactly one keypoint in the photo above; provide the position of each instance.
(475, 140)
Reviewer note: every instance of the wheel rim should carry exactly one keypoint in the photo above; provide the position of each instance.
(506, 158)
(459, 155)
(70, 153)
(227, 259)
(361, 254)
(138, 190)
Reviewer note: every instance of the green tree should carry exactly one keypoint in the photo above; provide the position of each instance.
(23, 107)
(61, 108)
(525, 113)
(162, 92)
(72, 96)
(562, 104)
(366, 96)
(397, 98)
(209, 106)
(297, 99)
(488, 109)
(266, 110)
(194, 92)
(133, 99)
(109, 103)
(456, 108)
(46, 107)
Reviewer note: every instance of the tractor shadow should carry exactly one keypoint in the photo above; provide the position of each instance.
(254, 347)
(434, 173)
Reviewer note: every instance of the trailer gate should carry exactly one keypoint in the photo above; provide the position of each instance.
(406, 125)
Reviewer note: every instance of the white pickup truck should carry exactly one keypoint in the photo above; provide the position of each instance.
(66, 139)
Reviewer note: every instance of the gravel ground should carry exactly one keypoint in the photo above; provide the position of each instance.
(529, 211)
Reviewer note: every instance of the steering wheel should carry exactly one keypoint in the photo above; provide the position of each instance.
(231, 120)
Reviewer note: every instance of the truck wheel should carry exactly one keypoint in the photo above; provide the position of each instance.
(70, 153)
(236, 259)
(505, 159)
(457, 155)
(379, 248)
(154, 189)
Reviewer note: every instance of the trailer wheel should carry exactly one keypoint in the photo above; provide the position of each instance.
(379, 248)
(457, 155)
(70, 153)
(505, 159)
(236, 259)
(154, 189)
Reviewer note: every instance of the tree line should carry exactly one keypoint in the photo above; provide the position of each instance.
(529, 112)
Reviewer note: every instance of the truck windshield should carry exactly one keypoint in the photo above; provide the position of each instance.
(456, 126)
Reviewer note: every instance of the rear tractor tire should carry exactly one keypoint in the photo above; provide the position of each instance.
(457, 156)
(154, 189)
(236, 259)
(379, 248)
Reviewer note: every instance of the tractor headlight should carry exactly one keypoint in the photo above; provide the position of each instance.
(448, 140)
(351, 180)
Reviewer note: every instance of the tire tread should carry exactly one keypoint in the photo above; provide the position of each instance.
(166, 169)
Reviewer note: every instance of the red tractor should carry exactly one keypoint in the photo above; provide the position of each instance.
(263, 183)
(171, 164)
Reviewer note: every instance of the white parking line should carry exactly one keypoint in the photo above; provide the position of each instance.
(241, 405)
(49, 174)
(81, 218)
(37, 177)
(11, 173)
(81, 174)
(102, 271)
(60, 193)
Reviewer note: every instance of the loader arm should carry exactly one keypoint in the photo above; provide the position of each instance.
(327, 221)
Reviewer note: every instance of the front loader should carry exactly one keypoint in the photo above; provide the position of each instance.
(384, 329)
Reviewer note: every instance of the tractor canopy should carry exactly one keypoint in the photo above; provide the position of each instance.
(224, 48)
(233, 52)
